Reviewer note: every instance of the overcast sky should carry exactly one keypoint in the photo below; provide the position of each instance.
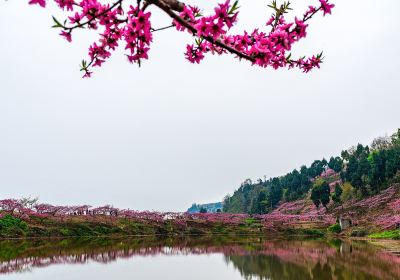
(171, 133)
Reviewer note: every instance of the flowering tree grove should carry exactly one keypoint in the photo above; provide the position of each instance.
(128, 23)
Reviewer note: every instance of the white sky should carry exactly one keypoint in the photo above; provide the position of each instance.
(170, 133)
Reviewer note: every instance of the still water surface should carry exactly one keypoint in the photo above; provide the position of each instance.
(195, 258)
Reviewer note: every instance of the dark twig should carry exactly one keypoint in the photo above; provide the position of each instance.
(162, 28)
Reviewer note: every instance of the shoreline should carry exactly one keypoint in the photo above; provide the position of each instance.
(54, 228)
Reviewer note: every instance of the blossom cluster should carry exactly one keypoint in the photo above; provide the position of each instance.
(388, 221)
(377, 200)
(395, 205)
(137, 35)
(132, 25)
(263, 48)
(328, 173)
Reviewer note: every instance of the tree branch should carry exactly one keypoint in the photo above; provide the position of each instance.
(168, 10)
(311, 15)
(174, 5)
(162, 28)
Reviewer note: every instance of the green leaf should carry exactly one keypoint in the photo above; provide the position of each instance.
(234, 7)
(57, 23)
(84, 65)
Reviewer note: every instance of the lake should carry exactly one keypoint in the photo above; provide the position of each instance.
(194, 258)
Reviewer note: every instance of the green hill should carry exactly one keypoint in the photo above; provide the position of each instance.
(358, 173)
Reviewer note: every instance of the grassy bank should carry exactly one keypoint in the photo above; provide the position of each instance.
(33, 227)
(78, 226)
(390, 234)
(14, 227)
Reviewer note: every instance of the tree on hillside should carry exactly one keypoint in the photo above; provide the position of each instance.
(396, 138)
(336, 197)
(29, 202)
(335, 163)
(273, 195)
(315, 197)
(345, 155)
(260, 207)
(320, 193)
(347, 192)
(129, 23)
(316, 168)
(392, 163)
(380, 143)
(358, 168)
(377, 169)
(325, 194)
(362, 172)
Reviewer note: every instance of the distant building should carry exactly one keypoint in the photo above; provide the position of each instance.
(209, 207)
(345, 222)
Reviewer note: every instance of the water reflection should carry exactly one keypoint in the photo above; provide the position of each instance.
(317, 260)
(252, 257)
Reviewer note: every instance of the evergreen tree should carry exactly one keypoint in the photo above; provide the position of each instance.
(320, 193)
(325, 194)
(336, 197)
(315, 197)
(335, 163)
(262, 203)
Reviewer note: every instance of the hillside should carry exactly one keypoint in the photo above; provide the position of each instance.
(377, 213)
(358, 173)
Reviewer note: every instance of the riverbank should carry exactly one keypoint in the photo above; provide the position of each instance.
(12, 227)
(78, 226)
(106, 226)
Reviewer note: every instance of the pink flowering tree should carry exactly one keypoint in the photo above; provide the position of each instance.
(10, 205)
(127, 23)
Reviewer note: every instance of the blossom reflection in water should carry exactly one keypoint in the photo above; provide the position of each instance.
(196, 258)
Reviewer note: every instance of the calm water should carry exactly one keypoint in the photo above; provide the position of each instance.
(194, 258)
